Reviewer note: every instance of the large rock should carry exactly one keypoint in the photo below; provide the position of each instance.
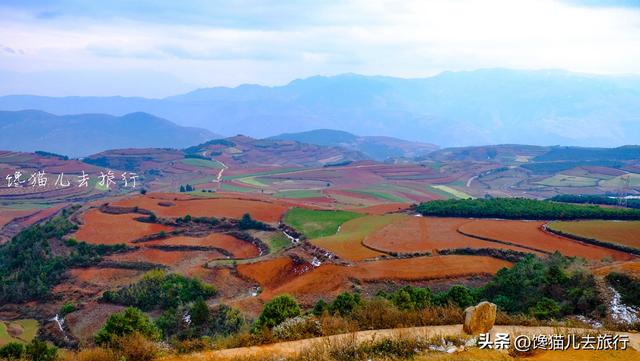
(480, 318)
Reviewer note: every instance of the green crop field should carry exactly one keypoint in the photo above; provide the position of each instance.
(315, 224)
(24, 331)
(202, 163)
(563, 180)
(253, 181)
(620, 181)
(449, 192)
(232, 188)
(299, 193)
(278, 242)
(268, 172)
(381, 192)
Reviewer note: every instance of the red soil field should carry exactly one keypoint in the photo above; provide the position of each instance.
(179, 261)
(239, 248)
(629, 267)
(105, 277)
(626, 233)
(102, 228)
(422, 234)
(328, 280)
(209, 207)
(269, 272)
(530, 233)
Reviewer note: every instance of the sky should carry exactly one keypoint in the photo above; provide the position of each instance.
(157, 48)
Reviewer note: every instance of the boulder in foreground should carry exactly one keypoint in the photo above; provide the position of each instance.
(480, 318)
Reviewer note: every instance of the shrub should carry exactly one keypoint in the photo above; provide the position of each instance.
(137, 347)
(545, 308)
(39, 350)
(276, 311)
(345, 303)
(458, 295)
(12, 351)
(67, 308)
(246, 222)
(159, 289)
(97, 354)
(297, 328)
(125, 323)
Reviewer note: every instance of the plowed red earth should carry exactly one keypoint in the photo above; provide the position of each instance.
(7, 215)
(328, 280)
(209, 207)
(530, 234)
(239, 248)
(102, 228)
(425, 234)
(105, 277)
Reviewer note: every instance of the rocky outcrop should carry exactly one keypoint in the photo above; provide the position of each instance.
(480, 318)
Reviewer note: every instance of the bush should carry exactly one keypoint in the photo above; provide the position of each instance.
(125, 323)
(97, 354)
(246, 222)
(136, 347)
(67, 308)
(409, 298)
(627, 286)
(297, 328)
(12, 351)
(39, 351)
(545, 308)
(345, 304)
(458, 295)
(159, 289)
(276, 311)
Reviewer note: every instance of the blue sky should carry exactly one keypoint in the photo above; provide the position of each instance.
(159, 48)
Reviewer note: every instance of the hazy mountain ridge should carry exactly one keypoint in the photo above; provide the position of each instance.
(492, 106)
(84, 134)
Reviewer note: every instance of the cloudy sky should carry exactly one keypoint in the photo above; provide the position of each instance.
(157, 48)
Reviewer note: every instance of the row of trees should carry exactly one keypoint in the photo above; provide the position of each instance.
(521, 208)
(594, 199)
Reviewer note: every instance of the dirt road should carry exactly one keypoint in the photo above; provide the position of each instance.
(293, 347)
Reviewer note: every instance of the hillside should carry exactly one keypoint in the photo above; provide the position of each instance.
(84, 134)
(245, 151)
(491, 106)
(378, 148)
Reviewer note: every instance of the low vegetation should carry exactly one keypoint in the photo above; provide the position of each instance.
(627, 286)
(521, 208)
(158, 289)
(595, 199)
(29, 268)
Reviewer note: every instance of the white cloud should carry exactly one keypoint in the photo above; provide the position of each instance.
(402, 38)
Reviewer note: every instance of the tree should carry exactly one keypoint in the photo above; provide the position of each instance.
(125, 323)
(199, 314)
(276, 311)
(545, 308)
(320, 307)
(143, 191)
(345, 303)
(182, 189)
(38, 350)
(12, 351)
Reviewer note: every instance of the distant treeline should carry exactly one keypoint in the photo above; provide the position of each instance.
(595, 199)
(521, 208)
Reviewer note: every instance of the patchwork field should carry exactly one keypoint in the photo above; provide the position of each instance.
(317, 223)
(529, 234)
(427, 234)
(347, 242)
(329, 280)
(616, 232)
(102, 228)
(165, 205)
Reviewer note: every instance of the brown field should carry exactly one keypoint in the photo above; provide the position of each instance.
(102, 228)
(618, 232)
(208, 207)
(530, 234)
(105, 277)
(427, 234)
(329, 279)
(630, 267)
(239, 248)
(269, 272)
(8, 214)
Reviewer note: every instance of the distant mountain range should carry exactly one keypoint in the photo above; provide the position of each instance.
(81, 135)
(493, 106)
(378, 148)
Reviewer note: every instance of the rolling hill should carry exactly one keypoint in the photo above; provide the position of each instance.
(84, 134)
